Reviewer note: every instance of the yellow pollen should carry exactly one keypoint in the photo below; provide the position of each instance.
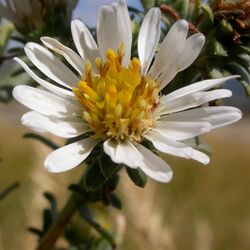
(118, 102)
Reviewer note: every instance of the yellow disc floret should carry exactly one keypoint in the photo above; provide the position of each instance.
(117, 102)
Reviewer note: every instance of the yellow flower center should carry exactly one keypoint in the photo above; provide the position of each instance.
(118, 102)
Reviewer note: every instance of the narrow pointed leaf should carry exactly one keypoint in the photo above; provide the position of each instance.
(137, 176)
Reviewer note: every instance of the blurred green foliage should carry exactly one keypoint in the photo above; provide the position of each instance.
(226, 25)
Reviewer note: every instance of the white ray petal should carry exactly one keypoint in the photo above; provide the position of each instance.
(193, 47)
(109, 148)
(47, 85)
(196, 87)
(184, 58)
(181, 130)
(154, 166)
(113, 29)
(107, 30)
(170, 47)
(70, 55)
(45, 103)
(200, 157)
(125, 28)
(51, 66)
(66, 128)
(123, 152)
(148, 38)
(84, 41)
(192, 100)
(168, 145)
(172, 147)
(216, 116)
(70, 156)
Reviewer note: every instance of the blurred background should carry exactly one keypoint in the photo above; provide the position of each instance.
(202, 208)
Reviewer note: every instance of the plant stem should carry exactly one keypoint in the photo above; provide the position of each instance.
(48, 241)
(59, 225)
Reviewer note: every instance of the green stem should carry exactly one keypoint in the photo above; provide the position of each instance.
(48, 241)
(59, 225)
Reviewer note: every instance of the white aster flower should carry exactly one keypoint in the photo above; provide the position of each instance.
(116, 100)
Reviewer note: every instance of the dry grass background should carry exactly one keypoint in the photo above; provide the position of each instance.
(203, 208)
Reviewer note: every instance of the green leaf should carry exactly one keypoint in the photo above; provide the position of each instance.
(52, 201)
(215, 48)
(8, 190)
(237, 49)
(181, 6)
(87, 216)
(5, 93)
(219, 49)
(244, 61)
(207, 20)
(115, 201)
(224, 29)
(91, 196)
(215, 73)
(107, 166)
(108, 189)
(100, 172)
(193, 11)
(16, 50)
(47, 220)
(42, 139)
(137, 176)
(94, 177)
(36, 231)
(78, 189)
(8, 82)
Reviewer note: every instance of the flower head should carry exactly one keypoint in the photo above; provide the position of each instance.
(23, 13)
(116, 100)
(30, 15)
